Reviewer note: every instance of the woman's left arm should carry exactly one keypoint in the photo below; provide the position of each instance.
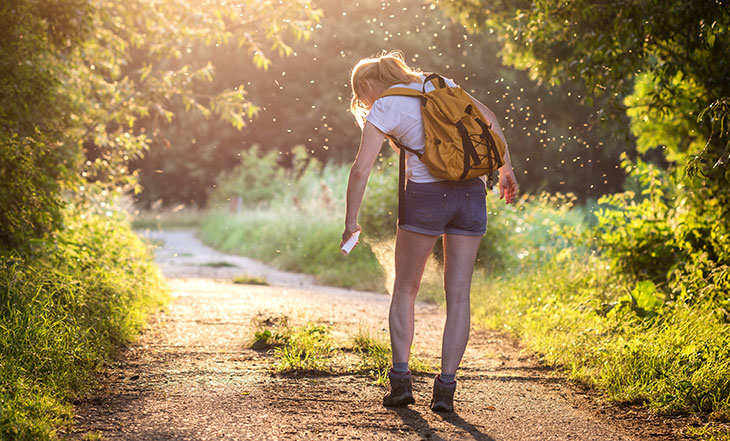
(370, 145)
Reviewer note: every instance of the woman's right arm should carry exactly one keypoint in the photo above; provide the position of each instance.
(370, 144)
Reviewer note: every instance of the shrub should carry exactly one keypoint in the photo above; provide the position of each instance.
(658, 236)
(65, 308)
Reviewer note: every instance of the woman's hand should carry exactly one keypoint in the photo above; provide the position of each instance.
(349, 231)
(507, 185)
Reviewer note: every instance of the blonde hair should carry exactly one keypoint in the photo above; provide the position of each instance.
(389, 68)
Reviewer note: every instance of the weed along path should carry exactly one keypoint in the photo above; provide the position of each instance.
(193, 375)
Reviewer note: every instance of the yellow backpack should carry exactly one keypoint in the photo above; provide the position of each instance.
(460, 144)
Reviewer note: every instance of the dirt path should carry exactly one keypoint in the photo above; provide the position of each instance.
(192, 376)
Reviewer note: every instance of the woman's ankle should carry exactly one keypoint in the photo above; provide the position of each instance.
(446, 378)
(400, 368)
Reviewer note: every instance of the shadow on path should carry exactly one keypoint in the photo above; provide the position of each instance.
(413, 419)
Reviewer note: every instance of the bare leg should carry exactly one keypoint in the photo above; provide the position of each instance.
(411, 253)
(460, 254)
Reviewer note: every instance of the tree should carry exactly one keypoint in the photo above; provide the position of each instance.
(304, 100)
(675, 51)
(78, 74)
(34, 170)
(664, 64)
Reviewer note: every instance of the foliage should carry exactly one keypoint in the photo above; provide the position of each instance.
(379, 209)
(270, 332)
(605, 45)
(257, 180)
(375, 356)
(295, 225)
(302, 241)
(581, 315)
(78, 75)
(664, 66)
(523, 235)
(64, 310)
(642, 334)
(637, 231)
(659, 236)
(292, 218)
(554, 147)
(33, 169)
(172, 218)
(308, 349)
(30, 207)
(246, 279)
(711, 431)
(298, 349)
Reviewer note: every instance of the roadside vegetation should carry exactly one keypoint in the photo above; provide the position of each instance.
(375, 357)
(83, 85)
(66, 306)
(630, 292)
(156, 218)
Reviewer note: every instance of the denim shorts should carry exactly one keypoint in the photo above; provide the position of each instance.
(450, 207)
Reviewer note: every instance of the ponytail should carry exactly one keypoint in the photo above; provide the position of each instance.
(389, 69)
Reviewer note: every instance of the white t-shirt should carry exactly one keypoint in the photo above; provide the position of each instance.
(400, 117)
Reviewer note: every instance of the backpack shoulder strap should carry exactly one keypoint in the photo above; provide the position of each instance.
(402, 91)
(436, 80)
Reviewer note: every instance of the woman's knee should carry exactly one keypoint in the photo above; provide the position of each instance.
(457, 299)
(405, 289)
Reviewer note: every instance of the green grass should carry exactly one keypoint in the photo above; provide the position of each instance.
(537, 277)
(578, 314)
(245, 279)
(270, 332)
(306, 243)
(93, 436)
(375, 357)
(220, 264)
(302, 349)
(65, 308)
(710, 432)
(309, 349)
(165, 219)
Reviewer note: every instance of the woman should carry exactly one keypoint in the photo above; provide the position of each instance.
(433, 207)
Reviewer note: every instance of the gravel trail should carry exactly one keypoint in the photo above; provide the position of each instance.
(193, 376)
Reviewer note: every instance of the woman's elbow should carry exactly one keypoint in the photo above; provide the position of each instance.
(359, 173)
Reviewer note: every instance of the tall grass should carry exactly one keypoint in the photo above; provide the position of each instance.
(581, 315)
(299, 241)
(297, 228)
(65, 307)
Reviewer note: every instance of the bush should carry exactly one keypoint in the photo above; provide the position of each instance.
(636, 232)
(65, 309)
(30, 204)
(658, 235)
(258, 179)
(379, 211)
